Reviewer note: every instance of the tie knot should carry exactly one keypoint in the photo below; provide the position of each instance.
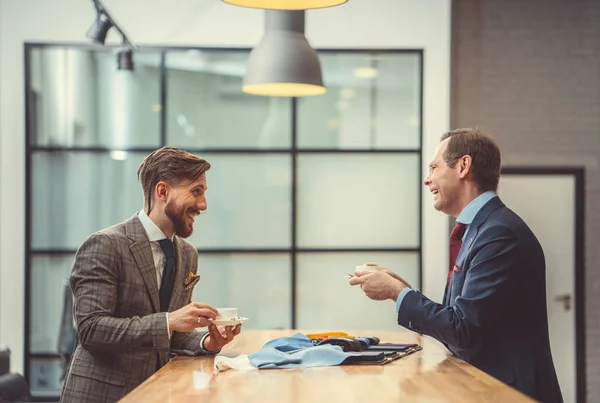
(458, 231)
(167, 247)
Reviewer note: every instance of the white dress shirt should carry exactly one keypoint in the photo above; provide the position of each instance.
(155, 234)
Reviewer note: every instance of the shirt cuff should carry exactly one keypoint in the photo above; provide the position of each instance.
(202, 345)
(401, 297)
(168, 329)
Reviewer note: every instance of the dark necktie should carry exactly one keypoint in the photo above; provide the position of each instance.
(455, 244)
(168, 274)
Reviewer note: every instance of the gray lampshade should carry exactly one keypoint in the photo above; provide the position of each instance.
(284, 64)
(286, 4)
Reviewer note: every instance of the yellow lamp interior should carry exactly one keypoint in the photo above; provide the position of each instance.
(286, 4)
(284, 89)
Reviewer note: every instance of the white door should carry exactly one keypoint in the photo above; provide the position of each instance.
(547, 204)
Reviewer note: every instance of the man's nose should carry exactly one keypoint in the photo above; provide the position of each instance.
(427, 181)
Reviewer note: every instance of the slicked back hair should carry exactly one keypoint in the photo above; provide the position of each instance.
(170, 165)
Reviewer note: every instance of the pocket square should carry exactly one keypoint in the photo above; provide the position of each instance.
(191, 280)
(455, 269)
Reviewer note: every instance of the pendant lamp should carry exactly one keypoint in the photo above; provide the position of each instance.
(285, 4)
(284, 64)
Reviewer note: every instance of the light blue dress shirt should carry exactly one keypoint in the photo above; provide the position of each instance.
(466, 217)
(296, 351)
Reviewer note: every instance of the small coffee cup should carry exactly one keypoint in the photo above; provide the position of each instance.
(368, 267)
(227, 313)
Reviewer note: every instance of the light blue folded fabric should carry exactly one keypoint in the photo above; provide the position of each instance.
(296, 352)
(288, 344)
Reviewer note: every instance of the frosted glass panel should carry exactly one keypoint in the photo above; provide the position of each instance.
(49, 283)
(79, 98)
(398, 102)
(326, 301)
(372, 101)
(358, 200)
(77, 193)
(248, 199)
(259, 285)
(207, 108)
(249, 202)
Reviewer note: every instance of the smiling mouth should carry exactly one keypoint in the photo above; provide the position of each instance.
(192, 214)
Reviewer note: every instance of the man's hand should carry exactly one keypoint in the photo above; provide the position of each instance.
(218, 337)
(378, 285)
(191, 316)
(396, 276)
(391, 273)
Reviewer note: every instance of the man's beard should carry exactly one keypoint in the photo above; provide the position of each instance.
(178, 216)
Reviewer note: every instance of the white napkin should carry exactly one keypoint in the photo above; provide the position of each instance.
(241, 362)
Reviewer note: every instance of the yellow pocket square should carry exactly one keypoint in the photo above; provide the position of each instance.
(191, 280)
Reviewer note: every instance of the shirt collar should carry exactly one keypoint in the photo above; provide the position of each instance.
(470, 211)
(154, 233)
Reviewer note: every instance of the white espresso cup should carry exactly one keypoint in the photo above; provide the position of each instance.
(227, 313)
(368, 267)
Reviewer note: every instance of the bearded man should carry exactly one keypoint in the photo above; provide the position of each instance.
(132, 285)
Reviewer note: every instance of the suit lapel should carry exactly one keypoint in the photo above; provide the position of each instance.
(180, 265)
(473, 230)
(460, 260)
(447, 292)
(142, 253)
(466, 246)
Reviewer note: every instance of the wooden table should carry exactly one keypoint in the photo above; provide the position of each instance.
(429, 375)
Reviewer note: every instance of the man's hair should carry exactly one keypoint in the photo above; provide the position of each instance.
(170, 165)
(483, 151)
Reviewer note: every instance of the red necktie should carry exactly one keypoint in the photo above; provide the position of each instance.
(455, 244)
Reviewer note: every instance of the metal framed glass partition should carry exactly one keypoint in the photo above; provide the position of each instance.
(301, 190)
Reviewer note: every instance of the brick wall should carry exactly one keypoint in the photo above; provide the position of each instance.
(528, 72)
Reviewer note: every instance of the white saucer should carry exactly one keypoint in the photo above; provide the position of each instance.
(232, 322)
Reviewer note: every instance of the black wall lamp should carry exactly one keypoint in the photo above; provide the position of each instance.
(99, 30)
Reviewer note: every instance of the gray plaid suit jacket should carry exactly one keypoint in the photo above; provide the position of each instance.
(121, 336)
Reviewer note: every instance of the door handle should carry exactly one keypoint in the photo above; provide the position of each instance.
(565, 299)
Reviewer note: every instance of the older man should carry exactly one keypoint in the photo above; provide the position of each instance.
(494, 312)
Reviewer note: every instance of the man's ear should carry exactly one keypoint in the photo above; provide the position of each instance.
(465, 166)
(161, 191)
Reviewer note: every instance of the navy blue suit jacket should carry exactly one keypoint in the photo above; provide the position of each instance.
(494, 312)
